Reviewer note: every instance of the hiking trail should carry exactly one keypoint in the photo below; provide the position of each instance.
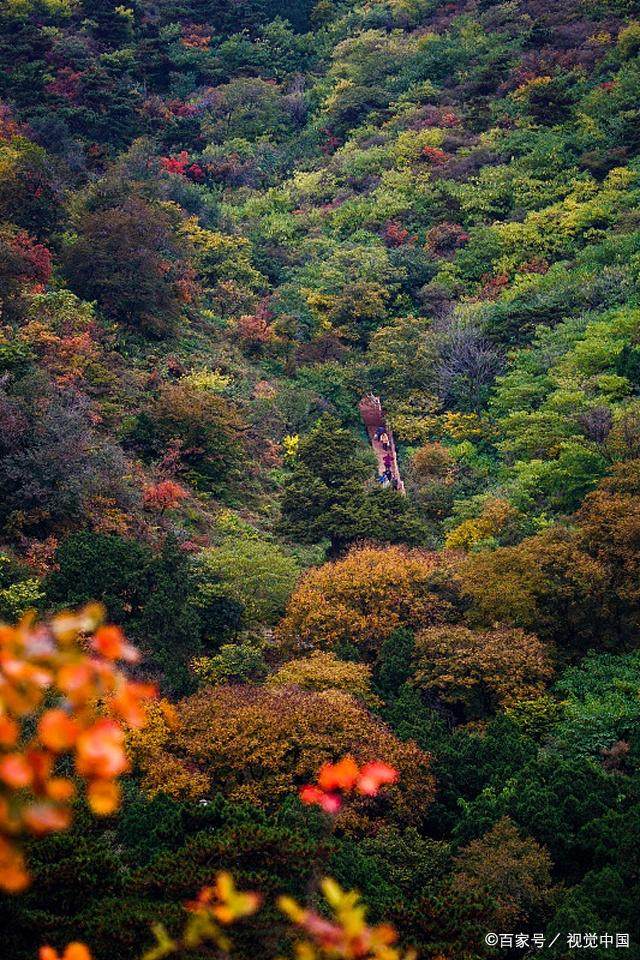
(372, 414)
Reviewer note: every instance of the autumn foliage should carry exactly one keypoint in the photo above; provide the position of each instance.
(502, 877)
(481, 671)
(293, 733)
(609, 529)
(65, 675)
(74, 951)
(323, 670)
(164, 495)
(25, 267)
(73, 659)
(337, 780)
(362, 599)
(346, 935)
(547, 583)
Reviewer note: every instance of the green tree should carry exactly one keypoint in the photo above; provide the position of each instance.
(211, 431)
(253, 572)
(170, 628)
(324, 495)
(394, 665)
(104, 567)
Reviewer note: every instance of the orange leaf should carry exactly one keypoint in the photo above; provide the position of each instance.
(13, 875)
(57, 730)
(41, 763)
(101, 751)
(60, 790)
(8, 732)
(128, 703)
(330, 802)
(15, 771)
(48, 953)
(110, 642)
(338, 776)
(103, 797)
(41, 818)
(75, 681)
(77, 951)
(373, 776)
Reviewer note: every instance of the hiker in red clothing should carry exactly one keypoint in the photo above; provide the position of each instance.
(373, 416)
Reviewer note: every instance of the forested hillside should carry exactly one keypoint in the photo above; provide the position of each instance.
(222, 224)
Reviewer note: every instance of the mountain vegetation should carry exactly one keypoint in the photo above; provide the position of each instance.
(221, 225)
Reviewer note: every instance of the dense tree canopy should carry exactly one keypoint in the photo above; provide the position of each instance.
(288, 734)
(480, 671)
(360, 600)
(223, 225)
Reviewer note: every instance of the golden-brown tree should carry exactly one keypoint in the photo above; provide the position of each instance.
(505, 877)
(362, 599)
(481, 671)
(258, 745)
(609, 528)
(322, 670)
(547, 583)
